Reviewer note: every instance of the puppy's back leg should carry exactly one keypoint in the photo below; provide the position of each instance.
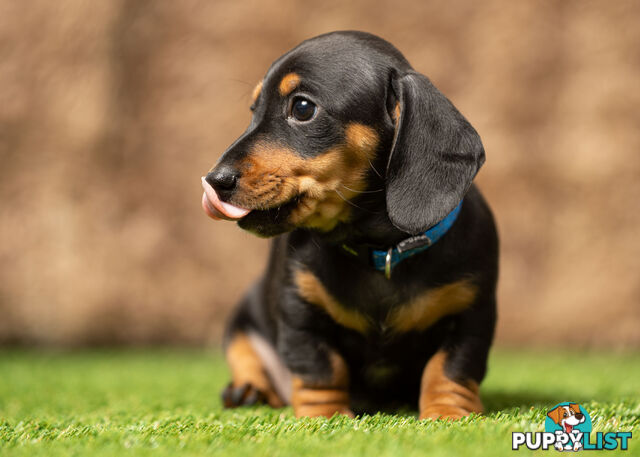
(250, 381)
(450, 382)
(257, 372)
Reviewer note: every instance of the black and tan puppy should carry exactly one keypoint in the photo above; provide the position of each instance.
(380, 288)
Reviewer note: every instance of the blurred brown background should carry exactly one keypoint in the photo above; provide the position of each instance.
(111, 111)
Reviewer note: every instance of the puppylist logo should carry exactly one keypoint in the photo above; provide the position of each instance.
(568, 428)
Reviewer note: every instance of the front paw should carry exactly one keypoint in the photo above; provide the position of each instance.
(314, 401)
(325, 397)
(444, 398)
(444, 412)
(327, 411)
(449, 400)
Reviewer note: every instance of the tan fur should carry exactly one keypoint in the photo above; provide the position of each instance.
(288, 83)
(443, 398)
(256, 92)
(396, 113)
(311, 289)
(419, 314)
(323, 398)
(556, 414)
(272, 175)
(361, 138)
(424, 310)
(247, 368)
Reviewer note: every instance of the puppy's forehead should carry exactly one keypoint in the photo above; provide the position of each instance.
(336, 61)
(298, 70)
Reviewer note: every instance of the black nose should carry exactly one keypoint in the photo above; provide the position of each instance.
(579, 416)
(223, 179)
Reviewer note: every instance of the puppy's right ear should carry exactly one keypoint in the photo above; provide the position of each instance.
(434, 157)
(556, 414)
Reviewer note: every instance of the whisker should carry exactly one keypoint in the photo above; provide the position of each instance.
(374, 169)
(362, 191)
(240, 81)
(244, 95)
(350, 202)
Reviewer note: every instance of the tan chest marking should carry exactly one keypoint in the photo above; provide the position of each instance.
(311, 289)
(426, 309)
(419, 314)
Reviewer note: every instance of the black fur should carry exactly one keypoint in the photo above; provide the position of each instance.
(423, 167)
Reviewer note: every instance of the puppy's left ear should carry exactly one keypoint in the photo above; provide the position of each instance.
(435, 155)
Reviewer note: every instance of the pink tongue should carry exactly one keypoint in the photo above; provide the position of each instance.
(226, 209)
(568, 427)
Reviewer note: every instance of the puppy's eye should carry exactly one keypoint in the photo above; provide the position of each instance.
(302, 109)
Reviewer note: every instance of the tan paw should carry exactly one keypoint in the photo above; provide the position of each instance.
(327, 411)
(444, 398)
(444, 412)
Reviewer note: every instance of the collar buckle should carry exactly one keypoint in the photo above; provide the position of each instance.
(387, 263)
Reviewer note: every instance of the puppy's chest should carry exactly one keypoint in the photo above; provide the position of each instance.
(378, 306)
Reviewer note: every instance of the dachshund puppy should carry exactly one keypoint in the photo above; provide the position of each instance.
(380, 286)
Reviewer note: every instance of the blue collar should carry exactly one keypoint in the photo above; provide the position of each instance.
(385, 261)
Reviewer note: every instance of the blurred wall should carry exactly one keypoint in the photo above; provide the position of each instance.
(111, 111)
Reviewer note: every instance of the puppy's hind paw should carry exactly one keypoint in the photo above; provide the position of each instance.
(242, 395)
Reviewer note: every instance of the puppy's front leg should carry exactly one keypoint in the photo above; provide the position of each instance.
(322, 395)
(320, 376)
(451, 378)
(444, 398)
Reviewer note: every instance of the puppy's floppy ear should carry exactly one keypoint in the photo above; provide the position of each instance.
(556, 414)
(575, 407)
(434, 157)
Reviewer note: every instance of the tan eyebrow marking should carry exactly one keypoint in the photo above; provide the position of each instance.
(256, 92)
(288, 83)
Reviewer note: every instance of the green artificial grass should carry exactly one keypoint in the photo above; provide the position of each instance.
(166, 403)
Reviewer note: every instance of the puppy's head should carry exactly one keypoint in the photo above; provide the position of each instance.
(336, 120)
(567, 417)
